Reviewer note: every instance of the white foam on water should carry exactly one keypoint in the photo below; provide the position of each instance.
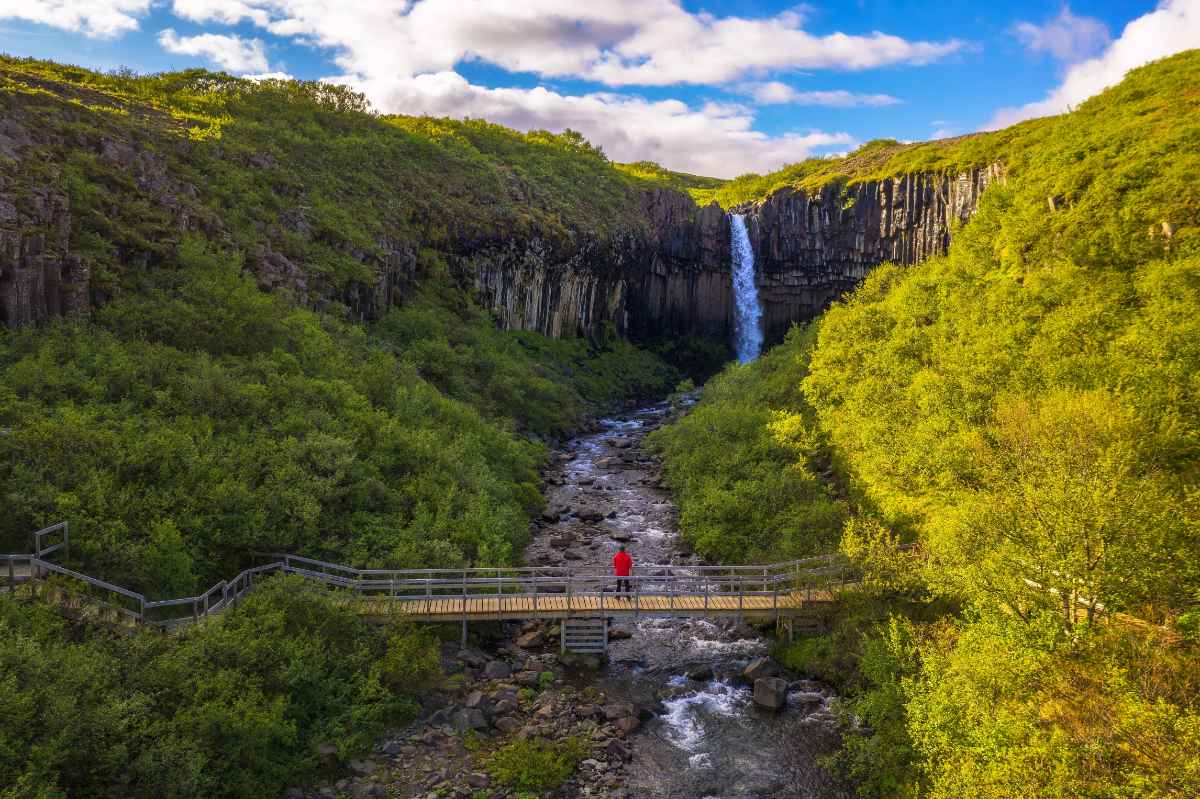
(701, 760)
(685, 727)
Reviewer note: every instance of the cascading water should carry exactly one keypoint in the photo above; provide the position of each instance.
(747, 313)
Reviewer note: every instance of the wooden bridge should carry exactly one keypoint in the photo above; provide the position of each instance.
(776, 591)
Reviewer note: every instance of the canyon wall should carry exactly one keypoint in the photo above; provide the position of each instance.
(662, 272)
(811, 249)
(675, 278)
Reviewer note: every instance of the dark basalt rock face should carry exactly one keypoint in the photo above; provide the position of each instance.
(668, 275)
(674, 278)
(810, 250)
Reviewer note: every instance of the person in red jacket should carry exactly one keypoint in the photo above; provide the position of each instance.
(622, 564)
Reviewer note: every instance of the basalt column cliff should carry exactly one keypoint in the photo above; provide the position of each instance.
(674, 278)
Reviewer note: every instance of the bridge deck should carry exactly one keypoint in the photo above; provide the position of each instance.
(559, 606)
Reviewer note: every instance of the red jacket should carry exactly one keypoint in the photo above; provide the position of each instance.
(622, 563)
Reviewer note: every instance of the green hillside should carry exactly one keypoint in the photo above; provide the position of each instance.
(1027, 410)
(193, 418)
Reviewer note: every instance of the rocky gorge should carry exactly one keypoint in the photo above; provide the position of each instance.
(680, 709)
(650, 265)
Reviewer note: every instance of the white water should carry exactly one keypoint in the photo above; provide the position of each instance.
(747, 313)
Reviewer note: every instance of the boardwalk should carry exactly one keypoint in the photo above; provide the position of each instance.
(495, 607)
(472, 594)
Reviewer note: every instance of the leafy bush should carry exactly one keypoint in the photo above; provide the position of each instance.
(746, 464)
(234, 707)
(536, 765)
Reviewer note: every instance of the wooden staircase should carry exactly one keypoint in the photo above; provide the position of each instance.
(585, 636)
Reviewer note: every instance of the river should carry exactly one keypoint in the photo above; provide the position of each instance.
(707, 740)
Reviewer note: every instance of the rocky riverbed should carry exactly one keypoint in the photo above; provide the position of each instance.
(670, 715)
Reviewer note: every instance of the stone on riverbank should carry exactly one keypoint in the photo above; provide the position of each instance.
(770, 693)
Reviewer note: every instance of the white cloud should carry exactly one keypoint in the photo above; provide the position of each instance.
(714, 140)
(228, 12)
(403, 53)
(615, 42)
(96, 19)
(774, 93)
(1171, 28)
(229, 52)
(270, 76)
(1066, 37)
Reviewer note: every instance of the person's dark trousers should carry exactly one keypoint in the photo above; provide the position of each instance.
(623, 586)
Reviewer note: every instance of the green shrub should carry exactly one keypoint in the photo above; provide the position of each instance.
(536, 765)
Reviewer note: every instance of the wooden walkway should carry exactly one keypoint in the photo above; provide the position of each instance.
(547, 606)
(467, 594)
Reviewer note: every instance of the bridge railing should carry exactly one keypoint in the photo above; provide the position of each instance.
(497, 584)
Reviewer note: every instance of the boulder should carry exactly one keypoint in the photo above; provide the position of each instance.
(702, 673)
(760, 668)
(327, 754)
(507, 724)
(770, 693)
(624, 726)
(471, 719)
(619, 710)
(619, 634)
(362, 768)
(527, 678)
(497, 670)
(532, 640)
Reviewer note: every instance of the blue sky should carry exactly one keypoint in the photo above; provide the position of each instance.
(715, 87)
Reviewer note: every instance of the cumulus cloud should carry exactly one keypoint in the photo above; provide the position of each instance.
(713, 140)
(777, 93)
(96, 19)
(269, 76)
(1171, 28)
(1067, 37)
(403, 55)
(615, 42)
(232, 53)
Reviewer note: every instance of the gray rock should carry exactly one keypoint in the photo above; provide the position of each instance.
(770, 693)
(760, 668)
(497, 670)
(471, 719)
(506, 724)
(532, 640)
(327, 754)
(362, 768)
(619, 710)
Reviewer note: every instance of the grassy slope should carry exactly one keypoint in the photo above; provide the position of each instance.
(259, 153)
(194, 418)
(1024, 407)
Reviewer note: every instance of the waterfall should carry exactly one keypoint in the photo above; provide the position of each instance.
(747, 313)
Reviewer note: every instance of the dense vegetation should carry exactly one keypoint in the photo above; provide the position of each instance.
(235, 707)
(745, 468)
(193, 418)
(1026, 410)
(199, 419)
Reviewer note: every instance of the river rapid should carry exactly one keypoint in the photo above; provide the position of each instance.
(706, 740)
